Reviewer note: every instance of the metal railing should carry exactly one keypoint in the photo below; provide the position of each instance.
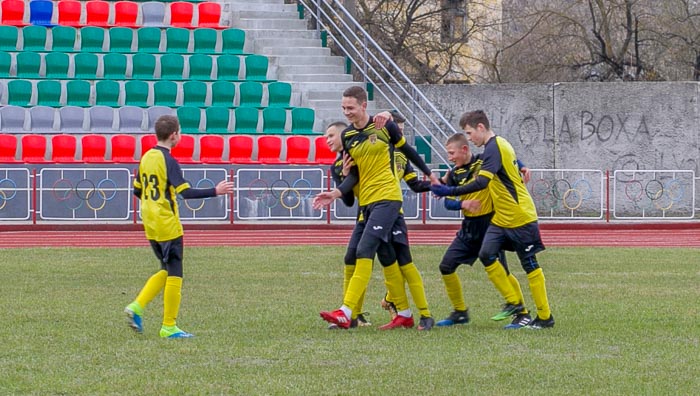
(385, 76)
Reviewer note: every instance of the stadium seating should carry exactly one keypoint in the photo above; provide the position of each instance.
(269, 149)
(153, 13)
(63, 149)
(92, 37)
(256, 68)
(181, 14)
(101, 119)
(34, 37)
(250, 94)
(63, 38)
(41, 12)
(71, 119)
(78, 93)
(246, 120)
(93, 149)
(56, 65)
(120, 39)
(194, 93)
(147, 142)
(131, 119)
(154, 112)
(322, 154)
(12, 119)
(228, 67)
(223, 93)
(177, 40)
(97, 12)
(12, 12)
(274, 120)
(69, 13)
(143, 66)
(114, 66)
(303, 121)
(126, 13)
(184, 150)
(209, 13)
(172, 67)
(298, 150)
(148, 39)
(41, 119)
(107, 93)
(190, 119)
(136, 93)
(240, 150)
(217, 119)
(200, 67)
(8, 148)
(34, 149)
(8, 37)
(232, 41)
(165, 93)
(5, 64)
(123, 148)
(19, 92)
(205, 41)
(48, 93)
(211, 149)
(279, 94)
(28, 65)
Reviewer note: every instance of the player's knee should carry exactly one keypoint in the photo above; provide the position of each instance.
(350, 256)
(487, 258)
(529, 264)
(446, 268)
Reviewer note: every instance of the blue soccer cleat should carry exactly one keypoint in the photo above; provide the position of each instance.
(133, 313)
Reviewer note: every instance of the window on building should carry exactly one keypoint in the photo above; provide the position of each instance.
(454, 21)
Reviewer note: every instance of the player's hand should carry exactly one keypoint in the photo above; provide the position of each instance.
(471, 205)
(526, 174)
(347, 164)
(434, 179)
(224, 187)
(381, 119)
(442, 190)
(325, 198)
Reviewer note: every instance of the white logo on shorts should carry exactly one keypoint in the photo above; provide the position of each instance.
(396, 232)
(376, 228)
(529, 247)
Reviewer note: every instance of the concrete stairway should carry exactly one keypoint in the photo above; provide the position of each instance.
(274, 29)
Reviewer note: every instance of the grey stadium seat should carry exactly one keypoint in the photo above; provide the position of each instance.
(131, 119)
(12, 118)
(71, 119)
(101, 119)
(41, 119)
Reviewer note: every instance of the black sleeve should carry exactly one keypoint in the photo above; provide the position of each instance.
(418, 186)
(479, 183)
(415, 158)
(194, 193)
(350, 180)
(137, 192)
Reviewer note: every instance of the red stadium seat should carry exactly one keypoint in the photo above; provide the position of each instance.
(8, 148)
(69, 13)
(323, 155)
(184, 150)
(94, 148)
(211, 149)
(123, 148)
(240, 150)
(181, 13)
(147, 141)
(63, 148)
(269, 149)
(97, 13)
(210, 15)
(298, 150)
(34, 149)
(12, 12)
(126, 13)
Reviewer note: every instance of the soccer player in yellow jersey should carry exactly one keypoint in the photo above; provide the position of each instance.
(477, 209)
(158, 181)
(380, 199)
(514, 223)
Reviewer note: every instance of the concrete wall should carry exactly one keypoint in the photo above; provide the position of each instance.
(606, 126)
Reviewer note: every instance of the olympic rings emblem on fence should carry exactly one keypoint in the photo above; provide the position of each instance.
(200, 184)
(571, 196)
(663, 195)
(280, 192)
(94, 196)
(4, 197)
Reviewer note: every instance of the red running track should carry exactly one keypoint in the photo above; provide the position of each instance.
(552, 235)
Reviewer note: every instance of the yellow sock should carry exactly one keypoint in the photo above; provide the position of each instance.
(453, 286)
(394, 283)
(415, 285)
(347, 275)
(358, 283)
(358, 308)
(539, 293)
(153, 286)
(171, 300)
(497, 275)
(516, 286)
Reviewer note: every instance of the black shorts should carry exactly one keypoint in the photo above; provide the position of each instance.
(170, 255)
(380, 218)
(465, 248)
(524, 240)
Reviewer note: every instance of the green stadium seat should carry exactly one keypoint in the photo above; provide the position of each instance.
(148, 39)
(194, 93)
(274, 120)
(223, 93)
(232, 41)
(78, 93)
(63, 38)
(19, 92)
(256, 68)
(57, 65)
(279, 94)
(91, 39)
(200, 67)
(136, 93)
(246, 120)
(120, 39)
(165, 93)
(303, 121)
(172, 66)
(217, 119)
(85, 65)
(34, 37)
(228, 67)
(48, 93)
(107, 93)
(28, 65)
(114, 66)
(250, 94)
(5, 64)
(205, 40)
(177, 40)
(143, 66)
(190, 118)
(8, 38)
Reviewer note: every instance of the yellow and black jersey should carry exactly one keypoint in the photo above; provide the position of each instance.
(461, 175)
(159, 180)
(511, 200)
(405, 171)
(337, 175)
(372, 150)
